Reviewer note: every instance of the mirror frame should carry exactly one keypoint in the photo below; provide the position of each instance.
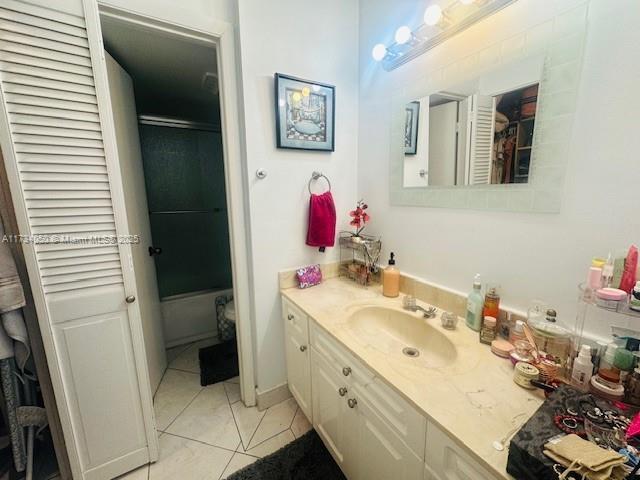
(562, 51)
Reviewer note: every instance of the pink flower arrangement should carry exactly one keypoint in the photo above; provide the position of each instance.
(359, 217)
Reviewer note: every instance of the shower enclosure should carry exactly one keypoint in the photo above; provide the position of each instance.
(185, 183)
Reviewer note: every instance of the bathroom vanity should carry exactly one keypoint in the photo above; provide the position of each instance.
(385, 412)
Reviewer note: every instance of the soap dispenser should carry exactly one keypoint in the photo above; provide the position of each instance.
(391, 279)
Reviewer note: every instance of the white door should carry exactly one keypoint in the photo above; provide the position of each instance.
(379, 454)
(482, 131)
(135, 197)
(58, 140)
(329, 408)
(443, 121)
(298, 356)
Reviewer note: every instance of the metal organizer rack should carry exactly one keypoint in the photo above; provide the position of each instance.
(359, 257)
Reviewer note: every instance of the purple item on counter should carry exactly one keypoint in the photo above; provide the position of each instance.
(309, 276)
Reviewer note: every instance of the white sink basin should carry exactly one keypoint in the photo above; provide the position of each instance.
(400, 334)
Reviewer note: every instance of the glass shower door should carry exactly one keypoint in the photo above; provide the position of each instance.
(184, 176)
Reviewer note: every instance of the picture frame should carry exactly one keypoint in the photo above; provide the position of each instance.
(305, 114)
(412, 114)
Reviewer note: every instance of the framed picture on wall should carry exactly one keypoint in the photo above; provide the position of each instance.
(412, 112)
(305, 114)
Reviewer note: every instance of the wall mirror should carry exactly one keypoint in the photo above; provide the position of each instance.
(491, 136)
(478, 132)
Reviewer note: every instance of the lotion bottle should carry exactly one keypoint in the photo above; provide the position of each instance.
(391, 279)
(475, 304)
(582, 369)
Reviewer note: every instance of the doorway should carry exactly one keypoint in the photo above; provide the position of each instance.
(179, 123)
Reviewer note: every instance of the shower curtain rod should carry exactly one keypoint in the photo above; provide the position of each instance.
(171, 122)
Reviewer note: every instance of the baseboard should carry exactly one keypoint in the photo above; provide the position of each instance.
(191, 338)
(273, 396)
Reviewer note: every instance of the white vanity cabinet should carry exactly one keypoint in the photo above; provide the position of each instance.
(348, 406)
(298, 354)
(371, 431)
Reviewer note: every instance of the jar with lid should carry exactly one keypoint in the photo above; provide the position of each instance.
(553, 339)
(488, 330)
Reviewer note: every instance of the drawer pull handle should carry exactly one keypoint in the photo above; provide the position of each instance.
(346, 371)
(289, 317)
(303, 348)
(342, 391)
(352, 402)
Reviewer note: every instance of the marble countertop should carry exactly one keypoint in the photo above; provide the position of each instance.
(474, 399)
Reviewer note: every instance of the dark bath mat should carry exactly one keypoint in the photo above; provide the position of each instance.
(303, 459)
(218, 362)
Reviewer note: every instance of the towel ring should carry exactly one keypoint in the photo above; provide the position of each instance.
(317, 176)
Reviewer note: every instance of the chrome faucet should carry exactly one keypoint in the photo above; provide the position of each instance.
(409, 303)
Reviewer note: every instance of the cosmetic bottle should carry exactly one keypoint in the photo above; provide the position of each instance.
(630, 270)
(582, 369)
(517, 332)
(634, 301)
(391, 279)
(491, 302)
(607, 272)
(475, 304)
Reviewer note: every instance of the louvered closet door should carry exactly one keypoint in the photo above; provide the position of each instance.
(54, 128)
(482, 132)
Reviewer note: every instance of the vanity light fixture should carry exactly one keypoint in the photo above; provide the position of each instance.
(439, 25)
(403, 35)
(379, 52)
(433, 15)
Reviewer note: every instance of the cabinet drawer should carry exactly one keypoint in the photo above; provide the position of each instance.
(338, 357)
(447, 460)
(401, 417)
(296, 321)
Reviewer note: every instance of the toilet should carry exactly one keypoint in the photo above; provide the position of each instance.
(227, 322)
(230, 312)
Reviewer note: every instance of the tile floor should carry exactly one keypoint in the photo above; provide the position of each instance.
(206, 433)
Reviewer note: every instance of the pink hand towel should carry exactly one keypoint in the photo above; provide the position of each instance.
(322, 221)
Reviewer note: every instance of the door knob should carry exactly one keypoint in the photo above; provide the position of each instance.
(346, 371)
(352, 402)
(303, 348)
(154, 251)
(289, 317)
(342, 391)
(130, 299)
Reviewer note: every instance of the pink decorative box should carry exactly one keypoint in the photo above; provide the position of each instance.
(309, 276)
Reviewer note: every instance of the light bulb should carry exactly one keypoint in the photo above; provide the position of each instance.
(379, 52)
(467, 2)
(403, 35)
(432, 15)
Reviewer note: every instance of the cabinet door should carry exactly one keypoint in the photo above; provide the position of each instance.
(379, 452)
(298, 369)
(448, 461)
(329, 408)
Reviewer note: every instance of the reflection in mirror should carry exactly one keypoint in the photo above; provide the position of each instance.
(472, 139)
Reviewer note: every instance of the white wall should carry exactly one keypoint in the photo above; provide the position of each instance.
(531, 255)
(316, 41)
(195, 14)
